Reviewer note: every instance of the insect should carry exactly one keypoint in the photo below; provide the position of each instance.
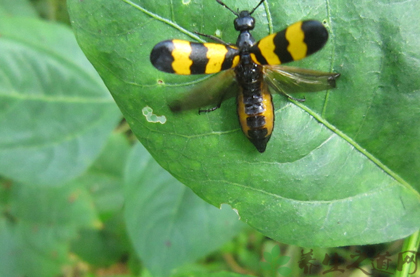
(250, 70)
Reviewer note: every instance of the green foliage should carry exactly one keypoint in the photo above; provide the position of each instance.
(217, 274)
(56, 112)
(169, 225)
(16, 8)
(34, 239)
(104, 179)
(273, 260)
(340, 169)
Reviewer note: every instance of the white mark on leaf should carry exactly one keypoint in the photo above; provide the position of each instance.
(150, 117)
(224, 206)
(237, 212)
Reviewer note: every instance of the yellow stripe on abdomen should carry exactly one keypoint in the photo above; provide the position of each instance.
(182, 62)
(269, 111)
(295, 36)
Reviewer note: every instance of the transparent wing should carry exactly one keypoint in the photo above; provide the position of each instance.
(212, 91)
(287, 79)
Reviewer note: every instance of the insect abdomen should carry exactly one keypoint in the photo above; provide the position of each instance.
(184, 57)
(256, 116)
(296, 42)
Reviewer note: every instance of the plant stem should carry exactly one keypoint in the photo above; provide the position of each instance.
(411, 243)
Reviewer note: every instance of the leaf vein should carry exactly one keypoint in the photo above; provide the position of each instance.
(164, 20)
(368, 155)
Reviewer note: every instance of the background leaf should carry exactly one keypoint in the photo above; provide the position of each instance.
(104, 181)
(16, 8)
(35, 236)
(215, 274)
(340, 169)
(55, 112)
(167, 223)
(284, 271)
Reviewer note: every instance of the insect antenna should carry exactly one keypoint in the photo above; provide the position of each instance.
(224, 5)
(256, 6)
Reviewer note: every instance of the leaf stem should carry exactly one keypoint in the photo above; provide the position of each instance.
(411, 243)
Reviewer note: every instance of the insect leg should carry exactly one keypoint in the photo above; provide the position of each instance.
(226, 95)
(216, 39)
(293, 98)
(211, 109)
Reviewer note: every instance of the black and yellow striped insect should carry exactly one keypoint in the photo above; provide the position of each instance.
(250, 68)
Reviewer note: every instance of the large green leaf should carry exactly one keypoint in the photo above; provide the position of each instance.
(340, 169)
(167, 223)
(55, 113)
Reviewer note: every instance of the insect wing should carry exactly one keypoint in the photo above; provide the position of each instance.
(184, 57)
(287, 79)
(211, 91)
(296, 42)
